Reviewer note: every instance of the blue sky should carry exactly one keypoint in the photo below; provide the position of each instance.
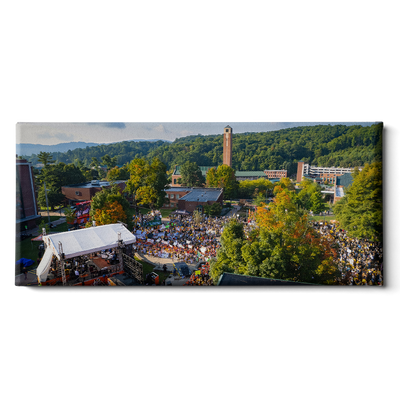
(108, 132)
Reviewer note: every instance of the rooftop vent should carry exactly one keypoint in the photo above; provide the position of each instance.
(95, 182)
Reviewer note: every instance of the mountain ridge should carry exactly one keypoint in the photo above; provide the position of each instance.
(28, 149)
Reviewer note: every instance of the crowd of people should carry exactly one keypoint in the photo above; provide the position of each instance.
(200, 277)
(186, 240)
(360, 261)
(182, 240)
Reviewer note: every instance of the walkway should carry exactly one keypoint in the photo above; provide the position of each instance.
(234, 210)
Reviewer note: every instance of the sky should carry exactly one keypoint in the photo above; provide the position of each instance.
(109, 132)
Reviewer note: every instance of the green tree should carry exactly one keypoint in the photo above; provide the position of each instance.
(45, 158)
(259, 199)
(223, 177)
(317, 202)
(108, 161)
(106, 199)
(54, 196)
(359, 212)
(197, 217)
(147, 182)
(284, 246)
(213, 209)
(116, 174)
(191, 175)
(229, 255)
(69, 214)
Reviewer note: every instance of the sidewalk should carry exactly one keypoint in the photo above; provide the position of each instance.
(159, 262)
(233, 212)
(52, 214)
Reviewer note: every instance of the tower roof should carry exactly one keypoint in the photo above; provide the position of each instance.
(228, 126)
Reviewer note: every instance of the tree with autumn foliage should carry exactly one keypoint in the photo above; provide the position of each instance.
(109, 206)
(110, 214)
(283, 246)
(287, 247)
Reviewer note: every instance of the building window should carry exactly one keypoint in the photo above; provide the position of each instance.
(171, 196)
(77, 193)
(177, 196)
(174, 181)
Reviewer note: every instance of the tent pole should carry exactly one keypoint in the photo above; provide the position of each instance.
(120, 247)
(62, 268)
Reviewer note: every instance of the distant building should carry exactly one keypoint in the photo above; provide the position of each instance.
(197, 198)
(276, 174)
(26, 198)
(249, 175)
(177, 174)
(342, 183)
(86, 191)
(329, 173)
(174, 194)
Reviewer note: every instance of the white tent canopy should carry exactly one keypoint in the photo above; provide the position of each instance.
(44, 266)
(83, 241)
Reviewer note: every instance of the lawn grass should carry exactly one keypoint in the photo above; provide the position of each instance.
(27, 249)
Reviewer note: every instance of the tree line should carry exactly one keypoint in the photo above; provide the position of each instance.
(322, 145)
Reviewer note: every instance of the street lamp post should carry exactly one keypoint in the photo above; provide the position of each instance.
(47, 203)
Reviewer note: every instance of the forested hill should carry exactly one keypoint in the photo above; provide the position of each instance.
(323, 145)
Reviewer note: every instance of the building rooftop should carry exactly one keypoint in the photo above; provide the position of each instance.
(203, 169)
(250, 173)
(228, 279)
(344, 180)
(203, 194)
(178, 189)
(92, 184)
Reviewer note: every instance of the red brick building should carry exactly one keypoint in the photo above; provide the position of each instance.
(276, 174)
(197, 198)
(26, 197)
(86, 191)
(174, 194)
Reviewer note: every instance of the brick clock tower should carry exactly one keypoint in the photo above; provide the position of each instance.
(227, 157)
